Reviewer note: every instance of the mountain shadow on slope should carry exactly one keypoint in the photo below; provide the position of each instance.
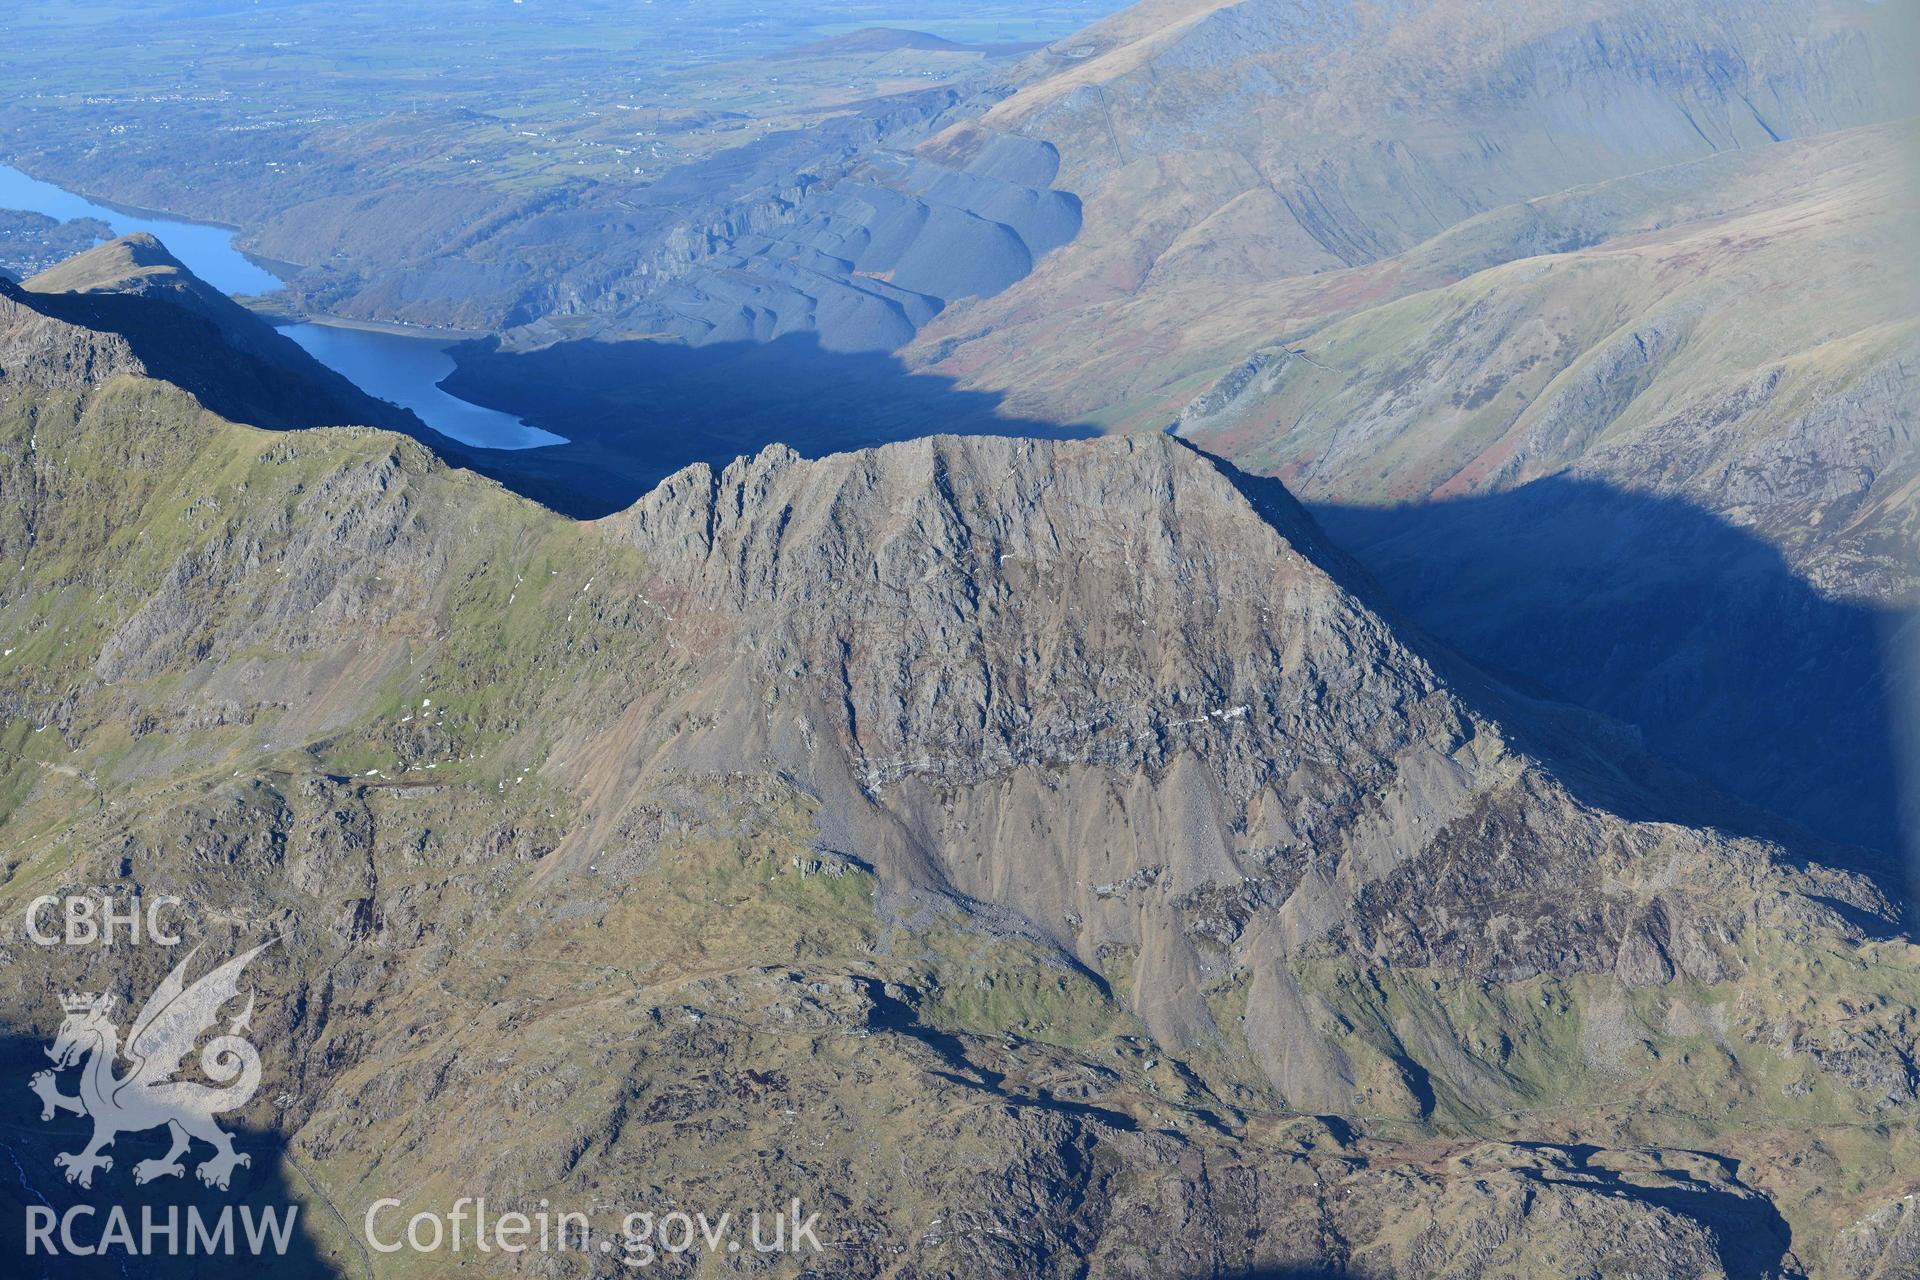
(1747, 1232)
(187, 350)
(30, 1144)
(1664, 616)
(1282, 1272)
(635, 411)
(1752, 1235)
(188, 333)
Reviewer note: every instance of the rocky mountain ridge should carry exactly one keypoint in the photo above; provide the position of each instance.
(1069, 802)
(1681, 436)
(129, 306)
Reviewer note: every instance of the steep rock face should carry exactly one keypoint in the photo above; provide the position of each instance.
(1663, 335)
(1225, 148)
(1095, 684)
(1884, 1243)
(44, 354)
(899, 811)
(1608, 467)
(1305, 91)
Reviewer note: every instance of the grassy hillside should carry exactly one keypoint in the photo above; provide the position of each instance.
(485, 774)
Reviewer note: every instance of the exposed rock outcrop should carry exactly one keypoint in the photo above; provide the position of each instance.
(1019, 836)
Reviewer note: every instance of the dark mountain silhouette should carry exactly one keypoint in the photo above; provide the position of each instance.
(636, 411)
(1665, 616)
(186, 332)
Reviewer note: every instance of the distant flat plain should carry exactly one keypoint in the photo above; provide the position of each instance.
(224, 112)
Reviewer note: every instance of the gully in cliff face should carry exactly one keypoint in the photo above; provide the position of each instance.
(873, 799)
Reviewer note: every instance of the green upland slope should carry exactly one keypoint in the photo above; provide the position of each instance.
(1039, 858)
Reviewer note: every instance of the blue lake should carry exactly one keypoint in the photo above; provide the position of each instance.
(407, 371)
(399, 367)
(207, 251)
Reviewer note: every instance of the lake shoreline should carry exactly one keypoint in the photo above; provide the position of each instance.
(277, 267)
(281, 316)
(264, 305)
(399, 363)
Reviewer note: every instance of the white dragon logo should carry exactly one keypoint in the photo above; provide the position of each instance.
(169, 1024)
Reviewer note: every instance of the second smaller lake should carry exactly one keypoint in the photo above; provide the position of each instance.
(407, 371)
